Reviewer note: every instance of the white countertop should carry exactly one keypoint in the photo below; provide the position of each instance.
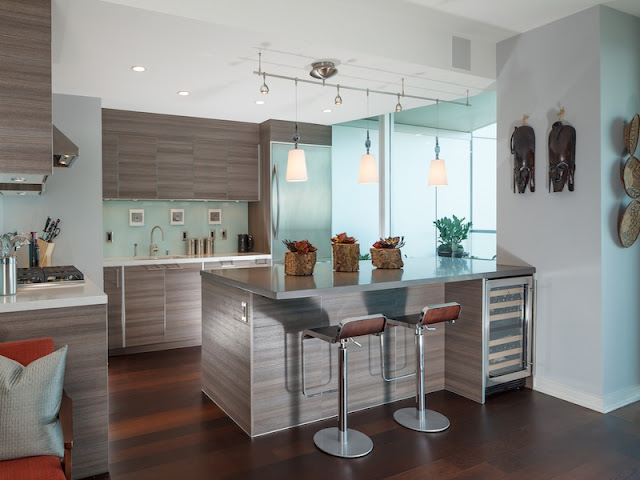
(58, 296)
(165, 259)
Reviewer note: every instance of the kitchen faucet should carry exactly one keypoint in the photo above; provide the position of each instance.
(154, 248)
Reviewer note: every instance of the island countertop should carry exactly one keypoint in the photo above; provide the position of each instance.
(273, 283)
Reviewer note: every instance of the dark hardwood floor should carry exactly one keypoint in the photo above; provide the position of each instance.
(163, 427)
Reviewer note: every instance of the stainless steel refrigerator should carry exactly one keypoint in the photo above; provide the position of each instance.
(301, 210)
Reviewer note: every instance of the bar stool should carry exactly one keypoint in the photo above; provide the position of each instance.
(420, 418)
(342, 441)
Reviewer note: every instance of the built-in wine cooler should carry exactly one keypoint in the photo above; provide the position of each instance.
(508, 320)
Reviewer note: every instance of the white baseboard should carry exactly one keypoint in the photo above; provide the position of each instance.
(621, 398)
(593, 402)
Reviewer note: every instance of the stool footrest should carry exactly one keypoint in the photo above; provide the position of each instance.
(357, 444)
(430, 421)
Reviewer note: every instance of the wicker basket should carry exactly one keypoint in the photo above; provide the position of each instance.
(346, 257)
(386, 257)
(299, 263)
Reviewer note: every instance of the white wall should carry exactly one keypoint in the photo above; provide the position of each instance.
(74, 194)
(620, 63)
(558, 233)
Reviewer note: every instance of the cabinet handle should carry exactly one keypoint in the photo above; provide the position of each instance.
(276, 221)
(244, 312)
(117, 278)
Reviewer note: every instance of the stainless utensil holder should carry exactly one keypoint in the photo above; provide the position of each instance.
(8, 275)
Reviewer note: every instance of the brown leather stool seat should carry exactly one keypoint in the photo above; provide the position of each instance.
(342, 441)
(419, 418)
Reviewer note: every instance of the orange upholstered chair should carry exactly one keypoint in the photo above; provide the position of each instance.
(43, 467)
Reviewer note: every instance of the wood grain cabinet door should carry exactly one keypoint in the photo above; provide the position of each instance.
(109, 166)
(243, 172)
(113, 289)
(144, 305)
(25, 87)
(183, 302)
(210, 170)
(175, 169)
(137, 168)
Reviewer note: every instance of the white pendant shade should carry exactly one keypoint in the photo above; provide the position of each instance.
(437, 173)
(296, 166)
(368, 169)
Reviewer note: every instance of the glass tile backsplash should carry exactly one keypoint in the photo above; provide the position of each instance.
(234, 216)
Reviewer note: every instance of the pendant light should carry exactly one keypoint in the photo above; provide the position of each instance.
(264, 89)
(437, 170)
(368, 165)
(338, 99)
(296, 162)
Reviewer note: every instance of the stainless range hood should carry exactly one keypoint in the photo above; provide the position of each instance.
(65, 151)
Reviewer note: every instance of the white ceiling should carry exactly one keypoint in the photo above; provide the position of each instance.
(210, 49)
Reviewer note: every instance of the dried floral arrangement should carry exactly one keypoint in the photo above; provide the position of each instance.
(343, 238)
(301, 246)
(390, 242)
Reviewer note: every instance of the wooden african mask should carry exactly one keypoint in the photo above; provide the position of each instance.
(562, 156)
(523, 147)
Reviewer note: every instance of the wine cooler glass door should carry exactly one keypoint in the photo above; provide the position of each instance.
(508, 309)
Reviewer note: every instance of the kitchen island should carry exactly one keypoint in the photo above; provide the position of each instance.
(73, 315)
(252, 321)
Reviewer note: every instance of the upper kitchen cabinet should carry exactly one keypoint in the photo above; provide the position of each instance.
(175, 169)
(243, 172)
(169, 157)
(25, 87)
(210, 170)
(137, 170)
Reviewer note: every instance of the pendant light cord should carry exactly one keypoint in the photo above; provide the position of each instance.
(437, 128)
(367, 143)
(296, 137)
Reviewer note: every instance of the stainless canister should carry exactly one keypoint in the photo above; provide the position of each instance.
(191, 246)
(8, 275)
(200, 246)
(208, 246)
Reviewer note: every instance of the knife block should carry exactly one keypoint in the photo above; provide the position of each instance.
(46, 249)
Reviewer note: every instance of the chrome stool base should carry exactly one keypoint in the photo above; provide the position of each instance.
(357, 444)
(430, 422)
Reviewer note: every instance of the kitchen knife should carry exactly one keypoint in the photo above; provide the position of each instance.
(46, 225)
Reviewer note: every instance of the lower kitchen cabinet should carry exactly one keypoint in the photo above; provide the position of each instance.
(143, 305)
(183, 303)
(113, 289)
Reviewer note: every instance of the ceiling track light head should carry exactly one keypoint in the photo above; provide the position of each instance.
(323, 70)
(264, 89)
(398, 105)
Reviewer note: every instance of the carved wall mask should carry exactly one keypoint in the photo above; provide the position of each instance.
(523, 148)
(562, 156)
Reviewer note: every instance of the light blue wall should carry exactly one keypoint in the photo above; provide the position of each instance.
(620, 100)
(116, 219)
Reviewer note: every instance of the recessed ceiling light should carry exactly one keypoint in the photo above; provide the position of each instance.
(259, 102)
(183, 93)
(17, 179)
(326, 110)
(138, 68)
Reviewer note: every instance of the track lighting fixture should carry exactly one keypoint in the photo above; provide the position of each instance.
(338, 99)
(264, 89)
(398, 105)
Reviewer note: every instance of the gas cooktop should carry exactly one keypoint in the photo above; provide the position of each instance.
(49, 275)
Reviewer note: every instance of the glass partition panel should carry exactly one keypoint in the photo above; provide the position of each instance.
(355, 206)
(413, 202)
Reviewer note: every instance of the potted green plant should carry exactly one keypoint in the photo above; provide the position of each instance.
(300, 259)
(346, 253)
(452, 231)
(386, 253)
